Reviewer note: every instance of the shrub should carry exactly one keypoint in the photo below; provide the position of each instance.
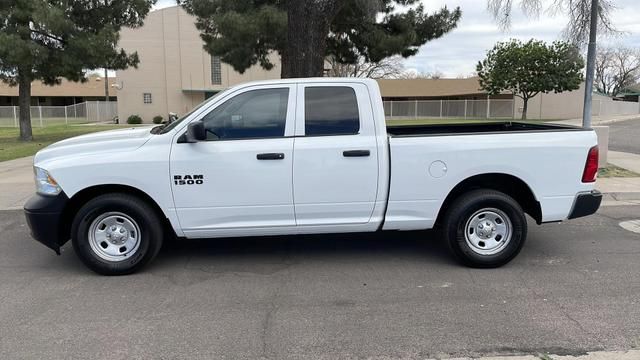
(157, 119)
(134, 119)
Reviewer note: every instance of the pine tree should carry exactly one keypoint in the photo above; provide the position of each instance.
(304, 32)
(48, 40)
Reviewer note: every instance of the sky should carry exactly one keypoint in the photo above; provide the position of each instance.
(457, 52)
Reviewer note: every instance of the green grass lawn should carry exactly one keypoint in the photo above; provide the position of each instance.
(12, 148)
(46, 122)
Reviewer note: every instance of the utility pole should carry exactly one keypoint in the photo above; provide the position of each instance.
(591, 63)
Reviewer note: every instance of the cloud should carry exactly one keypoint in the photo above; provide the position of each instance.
(164, 3)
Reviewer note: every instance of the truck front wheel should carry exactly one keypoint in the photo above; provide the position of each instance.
(116, 234)
(485, 228)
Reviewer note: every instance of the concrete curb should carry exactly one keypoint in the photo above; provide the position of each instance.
(596, 355)
(613, 121)
(618, 185)
(597, 121)
(620, 198)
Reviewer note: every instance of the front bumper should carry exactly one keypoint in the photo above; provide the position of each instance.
(586, 204)
(44, 215)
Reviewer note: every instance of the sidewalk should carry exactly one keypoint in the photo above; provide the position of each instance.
(621, 191)
(596, 355)
(16, 183)
(597, 120)
(625, 160)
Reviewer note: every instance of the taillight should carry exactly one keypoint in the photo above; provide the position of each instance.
(591, 167)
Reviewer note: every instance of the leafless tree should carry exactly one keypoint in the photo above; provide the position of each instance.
(578, 11)
(435, 75)
(467, 75)
(617, 68)
(388, 68)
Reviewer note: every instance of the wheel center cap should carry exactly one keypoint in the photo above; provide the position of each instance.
(117, 234)
(486, 228)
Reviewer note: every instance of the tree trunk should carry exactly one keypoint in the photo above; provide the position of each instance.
(106, 85)
(24, 100)
(308, 23)
(284, 63)
(525, 102)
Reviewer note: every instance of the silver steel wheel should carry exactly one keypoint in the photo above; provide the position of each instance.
(488, 231)
(114, 236)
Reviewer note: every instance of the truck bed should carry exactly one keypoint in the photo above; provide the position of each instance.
(428, 161)
(474, 128)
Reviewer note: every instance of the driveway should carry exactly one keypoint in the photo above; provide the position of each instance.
(575, 287)
(625, 136)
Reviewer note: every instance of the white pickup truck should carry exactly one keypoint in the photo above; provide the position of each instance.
(302, 156)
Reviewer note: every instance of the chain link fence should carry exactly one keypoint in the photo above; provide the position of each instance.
(41, 116)
(461, 109)
(503, 109)
(102, 111)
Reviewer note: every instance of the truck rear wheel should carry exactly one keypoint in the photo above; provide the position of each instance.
(116, 234)
(485, 228)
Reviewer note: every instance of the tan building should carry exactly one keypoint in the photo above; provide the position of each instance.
(434, 89)
(175, 73)
(64, 94)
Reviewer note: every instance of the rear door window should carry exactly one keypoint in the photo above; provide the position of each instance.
(331, 110)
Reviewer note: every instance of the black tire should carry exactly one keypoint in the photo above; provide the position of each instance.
(463, 209)
(144, 216)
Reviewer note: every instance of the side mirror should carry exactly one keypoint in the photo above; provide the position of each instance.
(195, 132)
(172, 117)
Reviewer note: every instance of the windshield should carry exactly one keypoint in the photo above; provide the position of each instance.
(171, 126)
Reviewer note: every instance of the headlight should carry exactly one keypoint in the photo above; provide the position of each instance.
(45, 184)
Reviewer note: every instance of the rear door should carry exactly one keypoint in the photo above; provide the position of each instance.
(335, 166)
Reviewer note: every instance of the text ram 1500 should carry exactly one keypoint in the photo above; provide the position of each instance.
(303, 156)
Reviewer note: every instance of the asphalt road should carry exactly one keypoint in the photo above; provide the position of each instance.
(625, 136)
(575, 287)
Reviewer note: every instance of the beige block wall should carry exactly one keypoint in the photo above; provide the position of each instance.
(568, 105)
(173, 67)
(565, 105)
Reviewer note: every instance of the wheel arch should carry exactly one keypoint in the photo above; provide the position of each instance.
(511, 185)
(83, 196)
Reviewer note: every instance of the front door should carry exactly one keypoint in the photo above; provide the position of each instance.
(241, 177)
